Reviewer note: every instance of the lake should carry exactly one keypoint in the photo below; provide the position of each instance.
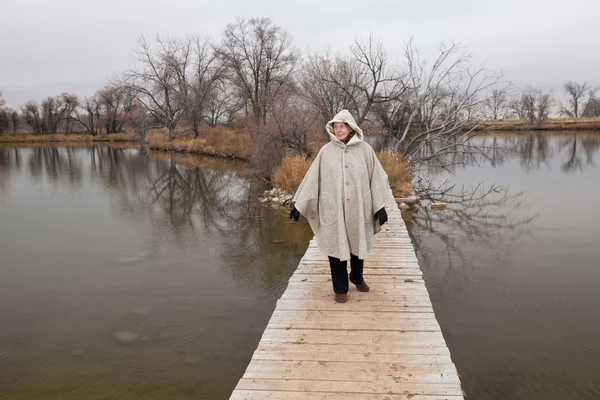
(133, 275)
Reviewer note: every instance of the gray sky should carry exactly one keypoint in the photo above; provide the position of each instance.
(49, 47)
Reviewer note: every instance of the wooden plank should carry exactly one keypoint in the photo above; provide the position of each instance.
(351, 386)
(353, 295)
(335, 324)
(375, 285)
(427, 348)
(356, 371)
(377, 292)
(389, 339)
(309, 352)
(303, 395)
(326, 277)
(347, 315)
(359, 305)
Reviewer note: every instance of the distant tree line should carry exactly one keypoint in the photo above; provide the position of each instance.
(255, 77)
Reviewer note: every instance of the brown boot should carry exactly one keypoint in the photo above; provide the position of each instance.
(362, 287)
(341, 297)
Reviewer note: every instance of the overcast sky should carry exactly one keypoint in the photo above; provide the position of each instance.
(49, 47)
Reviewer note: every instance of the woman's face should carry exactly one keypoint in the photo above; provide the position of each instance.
(341, 130)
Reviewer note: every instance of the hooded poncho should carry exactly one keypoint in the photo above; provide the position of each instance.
(341, 192)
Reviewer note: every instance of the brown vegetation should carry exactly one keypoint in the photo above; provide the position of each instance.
(290, 173)
(218, 141)
(399, 172)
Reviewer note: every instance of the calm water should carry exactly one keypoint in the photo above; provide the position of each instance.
(96, 241)
(514, 276)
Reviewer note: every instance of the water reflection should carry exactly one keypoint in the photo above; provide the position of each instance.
(177, 250)
(535, 150)
(485, 213)
(513, 273)
(574, 153)
(579, 153)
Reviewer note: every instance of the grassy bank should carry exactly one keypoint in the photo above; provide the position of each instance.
(218, 141)
(64, 138)
(553, 124)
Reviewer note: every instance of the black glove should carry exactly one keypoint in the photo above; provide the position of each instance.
(295, 214)
(381, 216)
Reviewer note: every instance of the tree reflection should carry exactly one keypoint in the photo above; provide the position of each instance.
(483, 215)
(256, 241)
(576, 151)
(185, 193)
(188, 200)
(533, 151)
(455, 152)
(579, 152)
(56, 163)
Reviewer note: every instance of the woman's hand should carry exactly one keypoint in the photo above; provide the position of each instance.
(381, 216)
(295, 214)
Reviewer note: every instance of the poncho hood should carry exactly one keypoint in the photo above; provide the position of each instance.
(345, 116)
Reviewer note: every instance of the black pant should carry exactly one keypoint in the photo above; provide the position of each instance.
(339, 273)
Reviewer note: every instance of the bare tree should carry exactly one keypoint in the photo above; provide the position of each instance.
(15, 120)
(33, 117)
(497, 103)
(4, 117)
(88, 114)
(70, 103)
(378, 82)
(259, 60)
(528, 103)
(51, 113)
(222, 105)
(320, 79)
(578, 97)
(516, 107)
(141, 120)
(43, 118)
(533, 104)
(441, 100)
(544, 105)
(206, 81)
(160, 80)
(4, 121)
(292, 122)
(115, 102)
(360, 82)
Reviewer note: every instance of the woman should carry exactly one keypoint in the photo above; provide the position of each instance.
(343, 196)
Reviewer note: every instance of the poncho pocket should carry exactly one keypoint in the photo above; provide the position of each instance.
(327, 209)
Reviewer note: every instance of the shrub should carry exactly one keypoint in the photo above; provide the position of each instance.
(290, 173)
(398, 171)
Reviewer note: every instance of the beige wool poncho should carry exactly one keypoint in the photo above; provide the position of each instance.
(341, 192)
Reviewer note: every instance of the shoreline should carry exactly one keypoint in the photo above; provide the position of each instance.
(66, 138)
(558, 125)
(187, 151)
(180, 146)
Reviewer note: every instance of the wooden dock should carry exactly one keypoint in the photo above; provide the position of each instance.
(385, 344)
